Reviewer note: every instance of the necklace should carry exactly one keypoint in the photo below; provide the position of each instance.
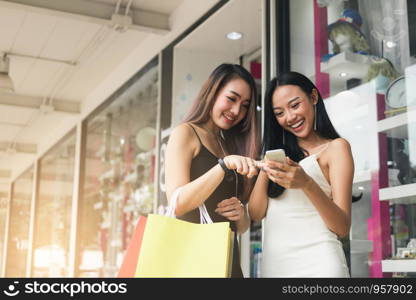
(218, 138)
(235, 173)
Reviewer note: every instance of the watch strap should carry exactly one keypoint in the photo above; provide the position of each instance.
(223, 166)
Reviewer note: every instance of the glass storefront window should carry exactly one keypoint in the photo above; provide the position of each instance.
(53, 210)
(403, 230)
(4, 199)
(361, 55)
(18, 238)
(231, 35)
(119, 174)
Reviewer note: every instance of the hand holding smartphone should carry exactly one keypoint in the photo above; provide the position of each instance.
(278, 155)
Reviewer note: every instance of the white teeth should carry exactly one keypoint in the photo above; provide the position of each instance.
(229, 118)
(297, 124)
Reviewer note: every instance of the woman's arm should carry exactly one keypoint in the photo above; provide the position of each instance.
(243, 223)
(335, 212)
(258, 201)
(178, 157)
(341, 173)
(181, 148)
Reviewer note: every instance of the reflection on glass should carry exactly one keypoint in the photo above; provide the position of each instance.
(119, 172)
(3, 216)
(352, 112)
(53, 210)
(19, 225)
(363, 63)
(403, 220)
(401, 156)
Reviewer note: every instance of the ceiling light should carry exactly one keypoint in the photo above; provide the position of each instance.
(343, 74)
(234, 35)
(361, 188)
(6, 83)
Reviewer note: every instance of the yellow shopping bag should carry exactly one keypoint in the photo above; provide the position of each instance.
(176, 248)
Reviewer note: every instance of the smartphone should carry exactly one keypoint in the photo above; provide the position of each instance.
(276, 155)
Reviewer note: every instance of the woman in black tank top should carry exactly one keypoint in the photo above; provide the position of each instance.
(211, 154)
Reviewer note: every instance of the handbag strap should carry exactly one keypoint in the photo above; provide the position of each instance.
(203, 212)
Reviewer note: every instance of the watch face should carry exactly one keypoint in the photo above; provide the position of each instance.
(396, 93)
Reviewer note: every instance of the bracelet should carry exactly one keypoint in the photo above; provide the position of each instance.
(223, 166)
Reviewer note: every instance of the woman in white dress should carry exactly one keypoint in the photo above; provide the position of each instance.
(306, 201)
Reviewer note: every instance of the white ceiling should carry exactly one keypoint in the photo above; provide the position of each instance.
(160, 6)
(63, 53)
(242, 16)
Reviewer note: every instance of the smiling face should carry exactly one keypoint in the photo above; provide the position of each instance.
(294, 109)
(231, 104)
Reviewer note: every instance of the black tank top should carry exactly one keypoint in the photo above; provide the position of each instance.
(201, 163)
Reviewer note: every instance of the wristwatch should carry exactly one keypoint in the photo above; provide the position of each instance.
(223, 166)
(229, 174)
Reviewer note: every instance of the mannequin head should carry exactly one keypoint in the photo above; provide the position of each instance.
(345, 33)
(346, 37)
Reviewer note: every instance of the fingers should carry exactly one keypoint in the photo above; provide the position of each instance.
(231, 209)
(277, 165)
(242, 165)
(288, 175)
(234, 162)
(276, 173)
(245, 167)
(259, 164)
(229, 201)
(252, 168)
(230, 213)
(231, 163)
(280, 181)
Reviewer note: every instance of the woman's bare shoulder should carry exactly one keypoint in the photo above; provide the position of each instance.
(340, 144)
(339, 148)
(183, 131)
(183, 134)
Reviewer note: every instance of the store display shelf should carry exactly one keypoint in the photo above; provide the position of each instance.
(346, 65)
(399, 265)
(397, 193)
(396, 126)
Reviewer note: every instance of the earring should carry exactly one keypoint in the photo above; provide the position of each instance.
(283, 133)
(314, 123)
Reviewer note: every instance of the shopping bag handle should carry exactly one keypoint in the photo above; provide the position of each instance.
(170, 212)
(203, 212)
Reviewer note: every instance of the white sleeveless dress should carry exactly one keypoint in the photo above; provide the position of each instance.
(296, 241)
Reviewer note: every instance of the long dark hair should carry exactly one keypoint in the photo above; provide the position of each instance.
(273, 132)
(242, 138)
